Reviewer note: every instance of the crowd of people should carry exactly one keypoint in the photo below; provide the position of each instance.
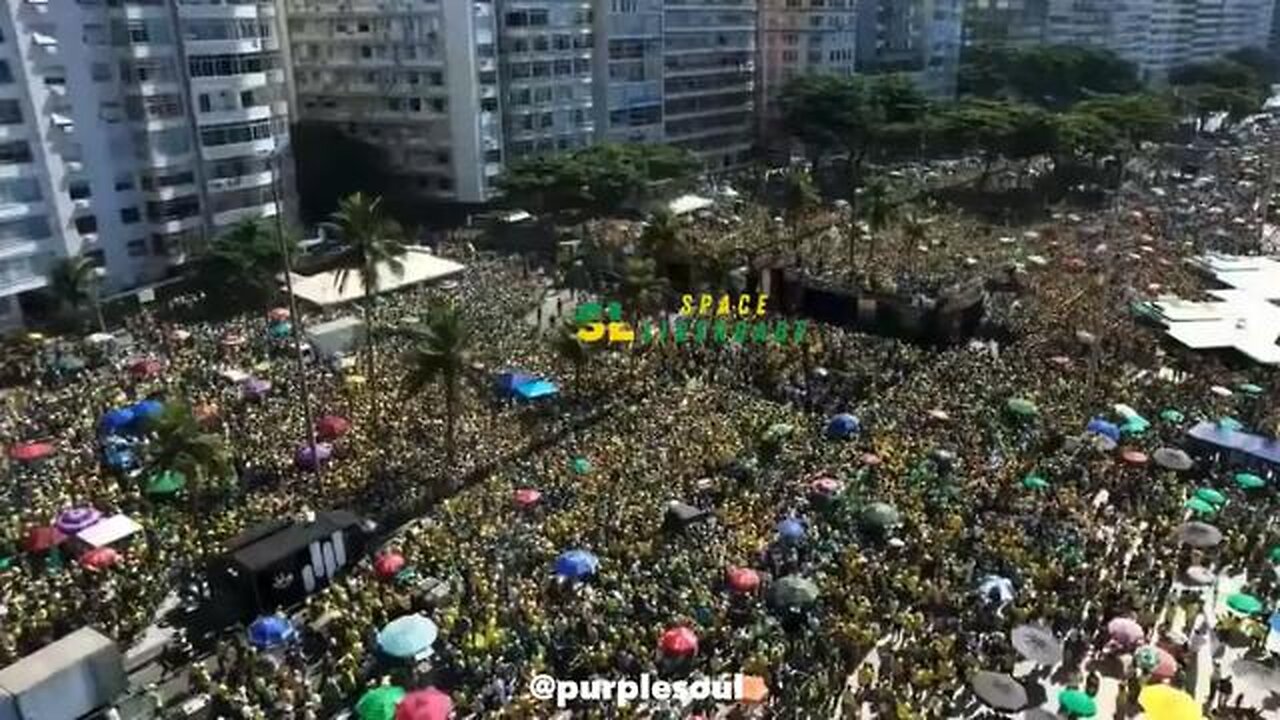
(741, 433)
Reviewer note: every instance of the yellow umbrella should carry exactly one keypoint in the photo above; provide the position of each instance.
(1164, 702)
(355, 380)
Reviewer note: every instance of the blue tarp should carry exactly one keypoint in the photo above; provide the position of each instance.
(1248, 448)
(117, 419)
(577, 564)
(510, 380)
(1104, 428)
(536, 389)
(148, 409)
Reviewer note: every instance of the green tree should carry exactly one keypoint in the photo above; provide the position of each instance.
(178, 443)
(370, 240)
(877, 210)
(1264, 63)
(1052, 76)
(440, 355)
(663, 237)
(799, 198)
(246, 258)
(74, 284)
(1079, 135)
(642, 288)
(1134, 118)
(602, 179)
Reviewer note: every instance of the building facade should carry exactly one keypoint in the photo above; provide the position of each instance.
(131, 131)
(920, 38)
(803, 37)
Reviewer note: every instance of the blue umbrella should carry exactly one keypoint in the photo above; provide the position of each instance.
(577, 564)
(791, 530)
(117, 419)
(407, 636)
(1275, 621)
(843, 426)
(1099, 426)
(271, 631)
(148, 410)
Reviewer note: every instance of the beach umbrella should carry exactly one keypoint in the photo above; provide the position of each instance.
(99, 558)
(1077, 703)
(843, 426)
(576, 564)
(1244, 603)
(679, 642)
(76, 519)
(1105, 428)
(332, 427)
(31, 451)
(999, 690)
(426, 704)
(271, 631)
(42, 539)
(1199, 575)
(149, 409)
(881, 515)
(280, 330)
(791, 530)
(1200, 507)
(580, 465)
(117, 419)
(1134, 457)
(1022, 407)
(1250, 389)
(309, 458)
(1171, 415)
(1172, 459)
(1231, 424)
(939, 414)
(255, 388)
(996, 589)
(794, 591)
(1249, 481)
(1210, 495)
(825, 486)
(205, 413)
(1165, 702)
(1037, 644)
(1199, 534)
(166, 483)
(1034, 482)
(145, 368)
(1156, 661)
(380, 703)
(742, 580)
(527, 497)
(407, 636)
(278, 314)
(1125, 630)
(387, 565)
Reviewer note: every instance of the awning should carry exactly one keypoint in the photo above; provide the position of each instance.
(109, 530)
(419, 266)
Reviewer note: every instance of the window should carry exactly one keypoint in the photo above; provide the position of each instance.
(32, 228)
(175, 209)
(236, 167)
(6, 76)
(19, 190)
(137, 248)
(100, 71)
(156, 180)
(232, 64)
(86, 224)
(147, 70)
(130, 215)
(15, 152)
(79, 190)
(124, 182)
(10, 112)
(229, 133)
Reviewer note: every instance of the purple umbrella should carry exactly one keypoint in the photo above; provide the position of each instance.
(256, 388)
(76, 519)
(308, 457)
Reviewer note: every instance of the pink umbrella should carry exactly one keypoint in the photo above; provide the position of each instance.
(825, 486)
(871, 459)
(144, 368)
(388, 564)
(1125, 631)
(332, 427)
(1134, 457)
(428, 704)
(99, 558)
(527, 497)
(31, 451)
(278, 314)
(679, 642)
(1166, 667)
(742, 580)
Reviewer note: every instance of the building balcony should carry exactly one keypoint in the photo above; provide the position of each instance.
(253, 148)
(238, 82)
(18, 210)
(249, 114)
(10, 249)
(231, 9)
(242, 182)
(227, 47)
(164, 227)
(170, 192)
(231, 217)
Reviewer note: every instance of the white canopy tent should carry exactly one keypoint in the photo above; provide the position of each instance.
(109, 530)
(420, 266)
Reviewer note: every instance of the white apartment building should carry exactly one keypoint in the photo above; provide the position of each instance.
(131, 130)
(800, 37)
(418, 78)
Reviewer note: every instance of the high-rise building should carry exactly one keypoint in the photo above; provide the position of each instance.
(629, 71)
(1005, 22)
(804, 37)
(418, 78)
(133, 130)
(920, 38)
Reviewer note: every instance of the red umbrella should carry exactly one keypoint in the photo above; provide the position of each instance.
(527, 497)
(145, 368)
(41, 539)
(99, 558)
(1134, 457)
(679, 642)
(428, 704)
(27, 452)
(388, 564)
(743, 580)
(332, 427)
(278, 314)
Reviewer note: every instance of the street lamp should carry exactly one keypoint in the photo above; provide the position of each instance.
(272, 157)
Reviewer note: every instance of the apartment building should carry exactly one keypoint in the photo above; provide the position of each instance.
(1005, 22)
(800, 37)
(131, 131)
(920, 38)
(418, 78)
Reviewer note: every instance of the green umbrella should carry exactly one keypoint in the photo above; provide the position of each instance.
(1146, 658)
(1077, 703)
(166, 483)
(6, 563)
(1230, 423)
(1249, 481)
(794, 591)
(1210, 495)
(1198, 505)
(1171, 415)
(1275, 554)
(1034, 482)
(881, 515)
(281, 329)
(1244, 603)
(380, 703)
(1022, 407)
(1250, 389)
(581, 465)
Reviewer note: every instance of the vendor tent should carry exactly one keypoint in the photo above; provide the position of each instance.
(336, 337)
(417, 264)
(109, 530)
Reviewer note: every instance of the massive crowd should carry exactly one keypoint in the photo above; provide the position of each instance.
(740, 433)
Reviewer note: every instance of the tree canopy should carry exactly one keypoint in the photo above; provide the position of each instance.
(1053, 76)
(246, 259)
(602, 179)
(830, 113)
(1236, 87)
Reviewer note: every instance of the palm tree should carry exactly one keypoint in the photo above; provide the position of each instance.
(642, 289)
(73, 281)
(180, 444)
(798, 201)
(877, 211)
(370, 240)
(441, 354)
(915, 231)
(566, 344)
